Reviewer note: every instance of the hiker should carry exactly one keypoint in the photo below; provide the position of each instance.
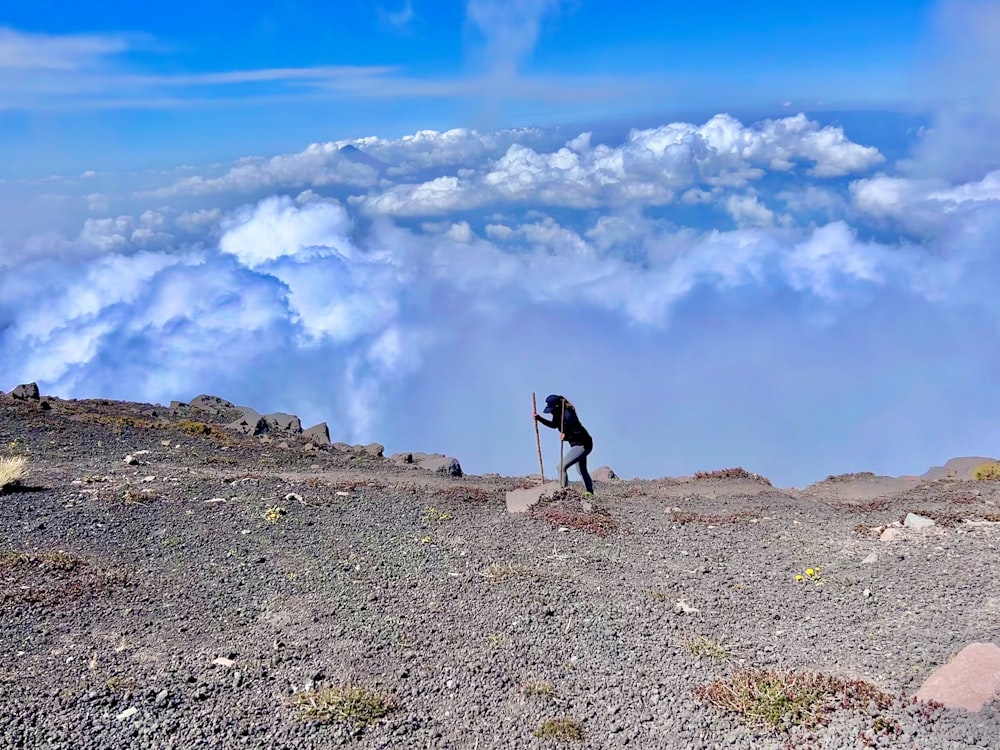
(581, 444)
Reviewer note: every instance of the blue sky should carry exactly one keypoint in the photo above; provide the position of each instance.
(737, 234)
(131, 75)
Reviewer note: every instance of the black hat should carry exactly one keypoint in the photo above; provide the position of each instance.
(552, 403)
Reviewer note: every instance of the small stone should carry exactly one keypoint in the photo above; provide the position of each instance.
(222, 661)
(867, 593)
(127, 713)
(292, 497)
(237, 679)
(915, 521)
(161, 697)
(891, 534)
(871, 559)
(131, 460)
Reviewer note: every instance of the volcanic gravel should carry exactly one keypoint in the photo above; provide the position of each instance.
(307, 569)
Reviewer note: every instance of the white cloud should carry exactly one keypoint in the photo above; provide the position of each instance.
(196, 221)
(649, 168)
(509, 30)
(278, 228)
(748, 211)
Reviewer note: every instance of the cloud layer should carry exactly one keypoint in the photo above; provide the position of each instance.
(772, 294)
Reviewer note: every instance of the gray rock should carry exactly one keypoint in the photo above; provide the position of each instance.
(283, 422)
(604, 474)
(178, 404)
(212, 404)
(441, 465)
(403, 457)
(250, 423)
(375, 449)
(26, 391)
(318, 434)
(915, 521)
(523, 500)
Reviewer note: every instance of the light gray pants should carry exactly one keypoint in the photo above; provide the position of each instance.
(577, 454)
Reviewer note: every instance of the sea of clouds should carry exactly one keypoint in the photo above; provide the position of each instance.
(773, 294)
(770, 294)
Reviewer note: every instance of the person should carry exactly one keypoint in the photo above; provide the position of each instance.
(573, 432)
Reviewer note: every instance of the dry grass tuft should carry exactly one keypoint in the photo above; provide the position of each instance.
(539, 689)
(12, 471)
(700, 645)
(356, 706)
(499, 572)
(560, 730)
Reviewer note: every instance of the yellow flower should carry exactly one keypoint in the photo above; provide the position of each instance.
(798, 577)
(810, 572)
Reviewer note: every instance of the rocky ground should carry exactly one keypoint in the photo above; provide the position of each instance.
(210, 591)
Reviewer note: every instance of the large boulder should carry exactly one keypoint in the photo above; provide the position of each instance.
(318, 434)
(970, 680)
(26, 391)
(283, 422)
(441, 464)
(250, 423)
(212, 404)
(603, 474)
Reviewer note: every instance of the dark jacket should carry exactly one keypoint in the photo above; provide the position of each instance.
(576, 433)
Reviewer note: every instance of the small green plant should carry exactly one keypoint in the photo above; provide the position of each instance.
(120, 683)
(134, 497)
(539, 689)
(274, 514)
(194, 428)
(987, 471)
(810, 574)
(58, 560)
(560, 730)
(12, 472)
(701, 645)
(356, 706)
(432, 514)
(784, 701)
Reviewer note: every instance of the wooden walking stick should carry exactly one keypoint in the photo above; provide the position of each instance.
(538, 438)
(562, 427)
